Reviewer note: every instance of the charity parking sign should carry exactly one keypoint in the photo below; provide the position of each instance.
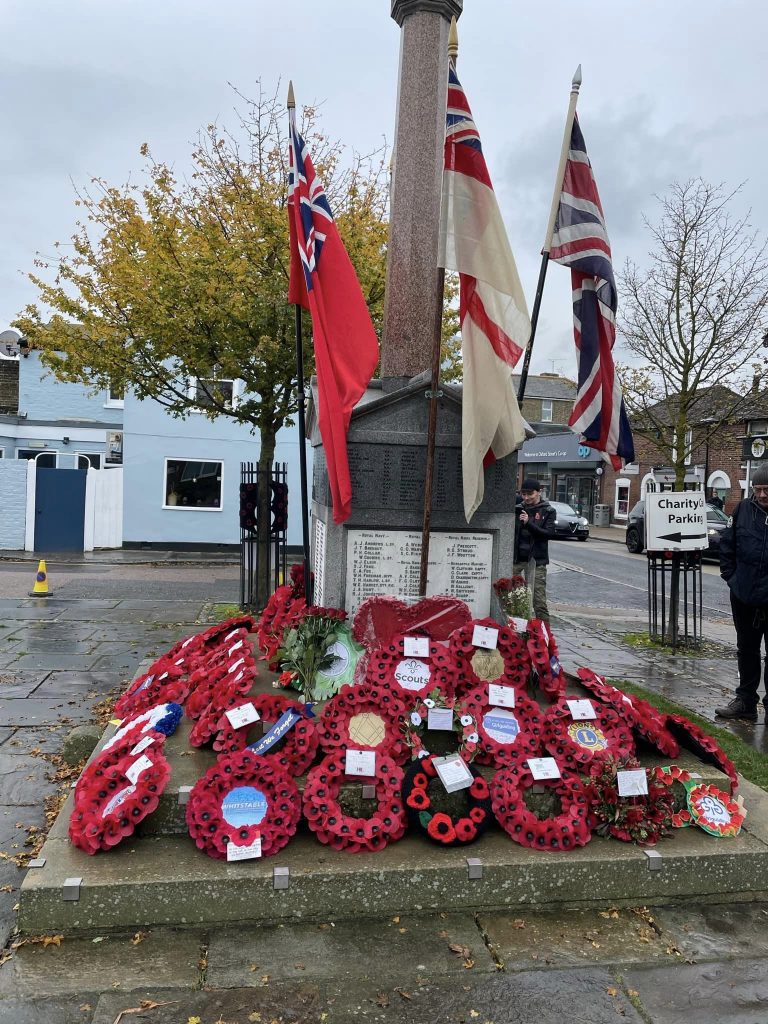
(675, 521)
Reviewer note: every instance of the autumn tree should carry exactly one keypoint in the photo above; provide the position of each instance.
(179, 278)
(694, 319)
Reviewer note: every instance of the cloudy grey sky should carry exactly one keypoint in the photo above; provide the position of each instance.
(672, 88)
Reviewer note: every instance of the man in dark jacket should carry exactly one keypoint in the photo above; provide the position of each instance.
(534, 527)
(744, 567)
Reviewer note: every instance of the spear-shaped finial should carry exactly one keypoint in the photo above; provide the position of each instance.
(576, 83)
(453, 41)
(291, 98)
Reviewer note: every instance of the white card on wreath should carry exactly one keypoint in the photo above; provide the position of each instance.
(486, 637)
(244, 715)
(235, 852)
(543, 768)
(521, 625)
(453, 772)
(142, 745)
(137, 768)
(416, 646)
(501, 696)
(360, 762)
(581, 710)
(440, 718)
(632, 782)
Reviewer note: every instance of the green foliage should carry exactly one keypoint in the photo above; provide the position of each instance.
(305, 652)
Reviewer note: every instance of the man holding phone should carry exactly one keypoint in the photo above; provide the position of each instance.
(534, 529)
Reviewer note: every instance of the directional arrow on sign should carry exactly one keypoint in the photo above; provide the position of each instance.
(679, 537)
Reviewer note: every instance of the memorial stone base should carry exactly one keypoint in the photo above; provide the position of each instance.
(378, 550)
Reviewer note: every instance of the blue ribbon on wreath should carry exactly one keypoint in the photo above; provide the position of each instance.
(282, 726)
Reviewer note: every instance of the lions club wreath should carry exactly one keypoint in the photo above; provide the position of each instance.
(563, 831)
(582, 742)
(244, 802)
(440, 827)
(116, 791)
(333, 827)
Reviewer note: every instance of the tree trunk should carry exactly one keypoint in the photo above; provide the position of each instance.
(264, 517)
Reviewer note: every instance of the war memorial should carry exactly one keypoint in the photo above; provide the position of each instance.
(373, 750)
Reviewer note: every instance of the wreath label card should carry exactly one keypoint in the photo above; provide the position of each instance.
(632, 782)
(486, 637)
(246, 714)
(235, 852)
(440, 719)
(543, 768)
(501, 726)
(360, 762)
(416, 647)
(521, 625)
(142, 745)
(501, 696)
(137, 768)
(412, 674)
(118, 800)
(581, 710)
(453, 772)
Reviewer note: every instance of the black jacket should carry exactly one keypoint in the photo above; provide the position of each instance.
(744, 553)
(531, 539)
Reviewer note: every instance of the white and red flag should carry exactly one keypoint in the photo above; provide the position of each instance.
(494, 316)
(323, 280)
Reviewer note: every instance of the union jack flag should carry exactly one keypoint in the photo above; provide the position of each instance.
(323, 280)
(580, 241)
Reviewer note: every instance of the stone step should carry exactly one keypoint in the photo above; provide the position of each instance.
(165, 880)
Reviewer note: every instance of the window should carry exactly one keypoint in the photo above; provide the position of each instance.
(621, 507)
(83, 458)
(191, 484)
(2, 453)
(208, 391)
(115, 398)
(546, 410)
(758, 427)
(688, 446)
(47, 459)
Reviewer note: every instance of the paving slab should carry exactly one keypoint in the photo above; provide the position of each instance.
(35, 711)
(528, 941)
(49, 646)
(20, 684)
(45, 1011)
(723, 993)
(161, 957)
(286, 1004)
(5, 734)
(716, 932)
(49, 632)
(73, 684)
(23, 780)
(55, 660)
(397, 948)
(46, 738)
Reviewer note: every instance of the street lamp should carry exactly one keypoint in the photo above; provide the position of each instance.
(706, 423)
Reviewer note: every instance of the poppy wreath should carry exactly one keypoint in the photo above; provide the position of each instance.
(415, 725)
(636, 819)
(579, 743)
(295, 753)
(389, 665)
(565, 831)
(644, 719)
(510, 645)
(186, 651)
(670, 776)
(108, 806)
(545, 658)
(227, 695)
(163, 718)
(341, 831)
(206, 809)
(438, 826)
(214, 672)
(715, 811)
(705, 748)
(359, 699)
(162, 687)
(525, 717)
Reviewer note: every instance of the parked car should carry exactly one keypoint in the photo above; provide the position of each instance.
(568, 522)
(635, 538)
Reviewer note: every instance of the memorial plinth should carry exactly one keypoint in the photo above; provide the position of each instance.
(377, 550)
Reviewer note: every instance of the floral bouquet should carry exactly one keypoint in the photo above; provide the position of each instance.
(306, 647)
(515, 597)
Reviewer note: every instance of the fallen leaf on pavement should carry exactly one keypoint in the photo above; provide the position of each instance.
(138, 937)
(382, 999)
(145, 1004)
(403, 994)
(463, 951)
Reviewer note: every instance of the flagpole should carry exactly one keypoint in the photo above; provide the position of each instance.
(575, 86)
(301, 409)
(426, 525)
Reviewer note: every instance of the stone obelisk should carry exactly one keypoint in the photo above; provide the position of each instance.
(377, 551)
(413, 298)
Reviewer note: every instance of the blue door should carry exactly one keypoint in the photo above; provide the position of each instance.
(59, 509)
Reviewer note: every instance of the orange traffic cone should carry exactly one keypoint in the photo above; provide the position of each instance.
(40, 589)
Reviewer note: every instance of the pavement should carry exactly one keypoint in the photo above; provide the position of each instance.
(61, 656)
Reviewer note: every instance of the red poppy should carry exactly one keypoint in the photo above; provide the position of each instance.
(418, 799)
(465, 830)
(420, 780)
(441, 828)
(478, 815)
(479, 788)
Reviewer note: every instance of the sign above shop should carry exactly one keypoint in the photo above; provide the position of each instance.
(562, 449)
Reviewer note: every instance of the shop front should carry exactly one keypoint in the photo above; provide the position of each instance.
(569, 472)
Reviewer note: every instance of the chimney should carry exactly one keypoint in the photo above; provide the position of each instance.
(756, 380)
